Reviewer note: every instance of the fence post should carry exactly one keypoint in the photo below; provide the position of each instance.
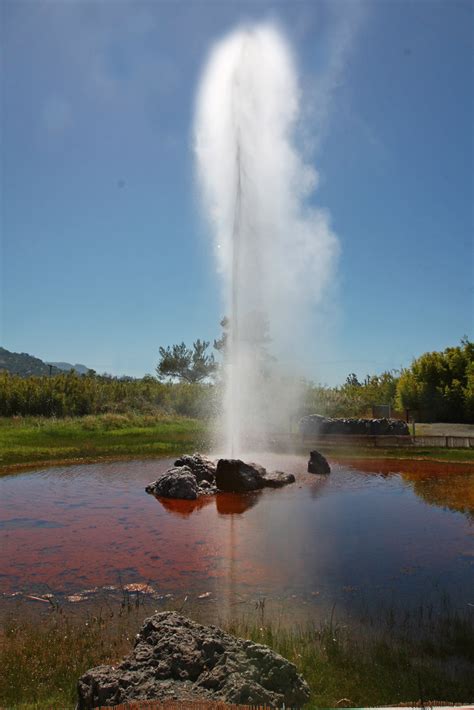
(447, 442)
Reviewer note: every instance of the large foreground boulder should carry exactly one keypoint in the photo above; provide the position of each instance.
(175, 658)
(318, 464)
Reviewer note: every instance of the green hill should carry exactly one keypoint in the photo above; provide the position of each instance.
(25, 365)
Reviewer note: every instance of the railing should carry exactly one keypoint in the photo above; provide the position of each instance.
(390, 440)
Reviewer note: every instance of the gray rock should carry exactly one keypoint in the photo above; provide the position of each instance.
(179, 482)
(203, 468)
(278, 479)
(175, 658)
(233, 475)
(197, 475)
(318, 464)
(207, 489)
(316, 425)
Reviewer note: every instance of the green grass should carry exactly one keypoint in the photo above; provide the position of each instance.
(29, 441)
(32, 441)
(378, 666)
(406, 658)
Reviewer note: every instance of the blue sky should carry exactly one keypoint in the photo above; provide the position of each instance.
(105, 255)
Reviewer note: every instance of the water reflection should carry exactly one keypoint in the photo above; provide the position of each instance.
(184, 508)
(234, 504)
(448, 485)
(225, 503)
(367, 531)
(455, 491)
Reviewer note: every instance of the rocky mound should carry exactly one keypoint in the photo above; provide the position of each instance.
(203, 468)
(175, 658)
(316, 425)
(189, 478)
(192, 476)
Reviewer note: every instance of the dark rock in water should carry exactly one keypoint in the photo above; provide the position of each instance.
(203, 468)
(316, 425)
(233, 475)
(278, 479)
(318, 464)
(175, 658)
(197, 475)
(179, 482)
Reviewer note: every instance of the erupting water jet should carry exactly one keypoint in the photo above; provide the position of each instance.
(275, 253)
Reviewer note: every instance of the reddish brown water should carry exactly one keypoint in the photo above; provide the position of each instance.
(351, 536)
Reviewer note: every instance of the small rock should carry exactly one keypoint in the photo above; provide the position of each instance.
(318, 464)
(278, 479)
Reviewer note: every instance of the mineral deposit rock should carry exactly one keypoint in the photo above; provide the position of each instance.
(177, 659)
(178, 482)
(318, 464)
(203, 468)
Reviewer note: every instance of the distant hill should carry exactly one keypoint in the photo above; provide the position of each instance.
(66, 366)
(26, 365)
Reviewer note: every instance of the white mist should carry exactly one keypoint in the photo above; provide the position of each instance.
(275, 254)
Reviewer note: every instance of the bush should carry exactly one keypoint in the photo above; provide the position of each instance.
(72, 395)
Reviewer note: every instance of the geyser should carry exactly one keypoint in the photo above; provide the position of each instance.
(275, 253)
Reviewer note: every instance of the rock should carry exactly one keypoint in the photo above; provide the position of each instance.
(203, 468)
(278, 479)
(179, 482)
(196, 475)
(318, 464)
(316, 425)
(233, 475)
(207, 489)
(175, 658)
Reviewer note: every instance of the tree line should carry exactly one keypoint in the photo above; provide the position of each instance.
(438, 386)
(73, 395)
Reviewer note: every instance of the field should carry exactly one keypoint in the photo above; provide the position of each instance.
(418, 656)
(28, 442)
(32, 441)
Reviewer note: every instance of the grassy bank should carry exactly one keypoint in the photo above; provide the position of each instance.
(36, 440)
(411, 658)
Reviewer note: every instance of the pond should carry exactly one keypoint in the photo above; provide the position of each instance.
(368, 535)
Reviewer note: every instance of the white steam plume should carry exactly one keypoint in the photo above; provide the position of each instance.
(275, 254)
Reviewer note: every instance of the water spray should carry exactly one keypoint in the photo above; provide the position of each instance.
(275, 253)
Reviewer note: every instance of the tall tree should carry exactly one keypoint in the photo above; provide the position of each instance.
(439, 385)
(184, 364)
